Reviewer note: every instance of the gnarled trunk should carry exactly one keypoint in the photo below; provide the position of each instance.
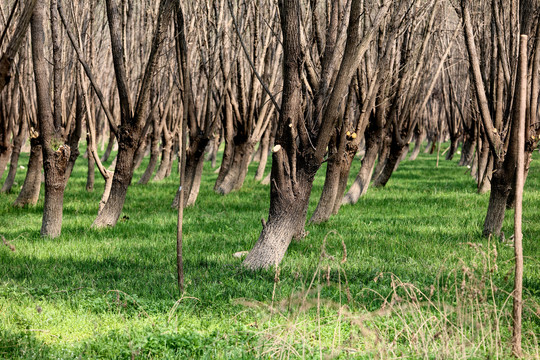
(286, 220)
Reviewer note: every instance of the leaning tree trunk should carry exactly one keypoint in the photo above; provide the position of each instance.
(29, 194)
(123, 174)
(325, 206)
(392, 162)
(361, 183)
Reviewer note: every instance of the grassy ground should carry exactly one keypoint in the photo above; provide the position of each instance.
(418, 281)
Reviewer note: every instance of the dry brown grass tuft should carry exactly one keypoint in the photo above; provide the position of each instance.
(463, 315)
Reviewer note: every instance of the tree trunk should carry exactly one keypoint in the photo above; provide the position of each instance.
(454, 142)
(361, 183)
(109, 148)
(286, 220)
(238, 168)
(325, 206)
(384, 152)
(396, 151)
(228, 135)
(55, 158)
(193, 173)
(123, 174)
(485, 184)
(29, 194)
(154, 153)
(429, 147)
(14, 162)
(264, 147)
(166, 159)
(91, 175)
(140, 151)
(214, 147)
(75, 135)
(482, 162)
(467, 150)
(420, 136)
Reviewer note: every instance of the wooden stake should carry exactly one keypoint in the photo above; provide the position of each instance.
(518, 236)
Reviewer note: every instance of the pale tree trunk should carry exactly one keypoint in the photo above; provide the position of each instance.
(29, 194)
(485, 184)
(166, 158)
(419, 139)
(520, 181)
(16, 150)
(264, 149)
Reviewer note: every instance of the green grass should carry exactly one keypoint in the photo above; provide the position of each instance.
(112, 293)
